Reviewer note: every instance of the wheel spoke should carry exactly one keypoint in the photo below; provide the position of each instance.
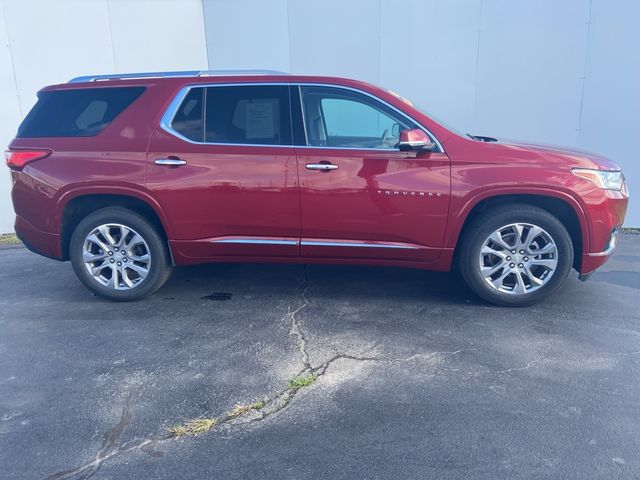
(487, 250)
(498, 283)
(519, 229)
(520, 286)
(544, 262)
(104, 231)
(140, 258)
(532, 234)
(93, 238)
(125, 277)
(89, 257)
(95, 271)
(142, 271)
(548, 248)
(124, 231)
(496, 237)
(135, 240)
(532, 278)
(489, 271)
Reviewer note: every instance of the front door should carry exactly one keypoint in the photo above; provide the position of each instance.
(224, 172)
(361, 197)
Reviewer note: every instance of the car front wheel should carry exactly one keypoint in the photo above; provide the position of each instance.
(515, 255)
(119, 255)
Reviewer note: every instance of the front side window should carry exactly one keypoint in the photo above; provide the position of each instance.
(238, 114)
(336, 117)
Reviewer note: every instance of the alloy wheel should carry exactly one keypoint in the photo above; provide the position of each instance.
(116, 256)
(518, 258)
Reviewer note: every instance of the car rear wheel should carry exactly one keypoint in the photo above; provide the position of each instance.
(119, 255)
(515, 255)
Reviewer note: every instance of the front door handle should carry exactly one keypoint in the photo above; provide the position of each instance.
(171, 162)
(325, 167)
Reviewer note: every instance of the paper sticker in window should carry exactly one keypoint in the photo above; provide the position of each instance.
(260, 117)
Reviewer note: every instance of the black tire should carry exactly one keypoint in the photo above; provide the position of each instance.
(494, 219)
(160, 262)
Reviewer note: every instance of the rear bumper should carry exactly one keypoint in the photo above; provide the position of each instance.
(42, 243)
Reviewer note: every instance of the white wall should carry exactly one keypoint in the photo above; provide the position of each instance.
(50, 41)
(558, 72)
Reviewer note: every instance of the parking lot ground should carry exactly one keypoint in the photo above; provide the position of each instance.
(409, 376)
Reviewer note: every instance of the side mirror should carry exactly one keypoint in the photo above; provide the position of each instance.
(416, 140)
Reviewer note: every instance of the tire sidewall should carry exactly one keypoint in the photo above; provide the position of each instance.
(157, 249)
(486, 225)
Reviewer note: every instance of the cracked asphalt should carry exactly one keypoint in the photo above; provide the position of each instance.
(415, 377)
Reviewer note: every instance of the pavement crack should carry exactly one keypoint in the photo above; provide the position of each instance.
(296, 324)
(520, 369)
(109, 449)
(268, 406)
(431, 354)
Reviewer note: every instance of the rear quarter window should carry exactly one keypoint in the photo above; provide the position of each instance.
(81, 112)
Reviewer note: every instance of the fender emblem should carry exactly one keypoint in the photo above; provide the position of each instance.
(408, 193)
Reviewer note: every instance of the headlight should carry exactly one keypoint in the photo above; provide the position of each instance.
(607, 179)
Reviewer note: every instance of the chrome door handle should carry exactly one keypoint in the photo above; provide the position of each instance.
(171, 162)
(321, 166)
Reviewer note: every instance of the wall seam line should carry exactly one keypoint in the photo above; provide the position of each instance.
(583, 79)
(11, 59)
(113, 45)
(204, 27)
(476, 79)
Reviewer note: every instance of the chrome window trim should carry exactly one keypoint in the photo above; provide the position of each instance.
(370, 95)
(171, 110)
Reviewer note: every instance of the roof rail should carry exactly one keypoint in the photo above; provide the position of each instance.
(184, 73)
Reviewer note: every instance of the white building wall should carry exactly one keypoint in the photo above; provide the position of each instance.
(50, 41)
(558, 72)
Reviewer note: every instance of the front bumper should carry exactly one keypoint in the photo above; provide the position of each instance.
(593, 261)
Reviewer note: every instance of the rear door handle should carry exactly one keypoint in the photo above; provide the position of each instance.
(321, 166)
(171, 162)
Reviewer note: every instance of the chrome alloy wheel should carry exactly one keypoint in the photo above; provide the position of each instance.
(116, 256)
(518, 258)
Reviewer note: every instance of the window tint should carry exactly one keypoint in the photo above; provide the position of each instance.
(78, 112)
(337, 117)
(251, 114)
(188, 118)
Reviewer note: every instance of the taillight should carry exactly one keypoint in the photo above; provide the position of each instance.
(17, 159)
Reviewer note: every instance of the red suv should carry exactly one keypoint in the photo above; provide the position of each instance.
(128, 175)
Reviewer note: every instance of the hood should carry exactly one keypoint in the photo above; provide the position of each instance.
(573, 156)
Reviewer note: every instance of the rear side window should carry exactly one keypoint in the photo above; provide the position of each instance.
(242, 114)
(81, 112)
(188, 118)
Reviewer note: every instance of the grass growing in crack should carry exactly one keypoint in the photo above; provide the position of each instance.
(302, 381)
(194, 427)
(9, 239)
(241, 409)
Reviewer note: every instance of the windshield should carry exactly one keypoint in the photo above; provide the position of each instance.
(432, 117)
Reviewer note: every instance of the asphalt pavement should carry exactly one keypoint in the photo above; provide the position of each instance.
(339, 373)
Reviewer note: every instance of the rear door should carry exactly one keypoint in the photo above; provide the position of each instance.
(224, 172)
(361, 197)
